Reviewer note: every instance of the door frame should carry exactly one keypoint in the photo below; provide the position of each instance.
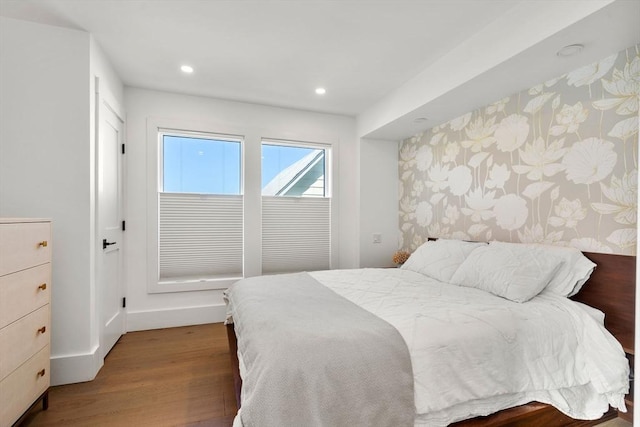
(103, 96)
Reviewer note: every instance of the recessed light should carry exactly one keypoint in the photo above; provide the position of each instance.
(187, 69)
(321, 91)
(420, 120)
(570, 50)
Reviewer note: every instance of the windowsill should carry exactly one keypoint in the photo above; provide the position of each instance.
(189, 284)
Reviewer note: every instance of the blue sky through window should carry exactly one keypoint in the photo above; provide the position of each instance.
(198, 165)
(210, 166)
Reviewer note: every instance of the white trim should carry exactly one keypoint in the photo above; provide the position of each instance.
(296, 143)
(82, 367)
(188, 285)
(171, 318)
(76, 368)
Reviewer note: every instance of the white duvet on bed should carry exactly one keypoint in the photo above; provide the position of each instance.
(474, 353)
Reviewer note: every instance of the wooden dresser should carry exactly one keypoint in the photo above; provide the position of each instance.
(25, 315)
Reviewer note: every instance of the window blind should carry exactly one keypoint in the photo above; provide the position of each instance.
(200, 236)
(296, 234)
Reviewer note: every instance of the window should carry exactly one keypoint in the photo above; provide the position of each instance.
(200, 165)
(293, 171)
(296, 207)
(200, 209)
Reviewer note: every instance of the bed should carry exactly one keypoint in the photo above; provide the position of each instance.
(489, 337)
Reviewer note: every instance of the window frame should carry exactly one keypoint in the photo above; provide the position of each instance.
(155, 284)
(252, 136)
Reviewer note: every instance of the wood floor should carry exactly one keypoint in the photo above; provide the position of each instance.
(165, 377)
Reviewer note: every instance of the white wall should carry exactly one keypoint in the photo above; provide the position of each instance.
(44, 159)
(378, 201)
(148, 109)
(46, 164)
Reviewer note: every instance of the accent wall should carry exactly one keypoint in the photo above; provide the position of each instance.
(554, 164)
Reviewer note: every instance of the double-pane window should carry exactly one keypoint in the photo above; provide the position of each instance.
(201, 222)
(296, 207)
(200, 207)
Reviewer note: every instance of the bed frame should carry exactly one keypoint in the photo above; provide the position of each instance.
(611, 289)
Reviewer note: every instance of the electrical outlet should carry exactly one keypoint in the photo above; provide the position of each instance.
(377, 238)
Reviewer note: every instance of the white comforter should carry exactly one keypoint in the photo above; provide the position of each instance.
(474, 353)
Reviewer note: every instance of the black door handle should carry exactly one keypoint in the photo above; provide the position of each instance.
(105, 243)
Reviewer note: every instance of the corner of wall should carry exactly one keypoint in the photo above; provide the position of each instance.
(76, 368)
(378, 202)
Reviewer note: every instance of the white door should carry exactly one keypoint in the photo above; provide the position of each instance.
(109, 220)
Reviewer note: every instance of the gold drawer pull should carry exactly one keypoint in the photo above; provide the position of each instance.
(41, 372)
(42, 330)
(43, 244)
(42, 287)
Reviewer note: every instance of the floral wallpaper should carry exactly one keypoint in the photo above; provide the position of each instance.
(555, 164)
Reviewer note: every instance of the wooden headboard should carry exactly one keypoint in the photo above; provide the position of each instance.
(612, 290)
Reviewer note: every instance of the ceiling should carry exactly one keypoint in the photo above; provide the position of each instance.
(276, 52)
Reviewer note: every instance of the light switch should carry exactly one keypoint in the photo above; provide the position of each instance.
(377, 238)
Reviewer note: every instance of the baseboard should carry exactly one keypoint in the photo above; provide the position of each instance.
(171, 318)
(75, 368)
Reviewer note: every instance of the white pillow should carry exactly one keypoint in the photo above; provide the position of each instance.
(512, 271)
(572, 274)
(441, 258)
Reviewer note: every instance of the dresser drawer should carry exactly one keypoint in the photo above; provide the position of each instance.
(22, 339)
(24, 292)
(24, 245)
(22, 387)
